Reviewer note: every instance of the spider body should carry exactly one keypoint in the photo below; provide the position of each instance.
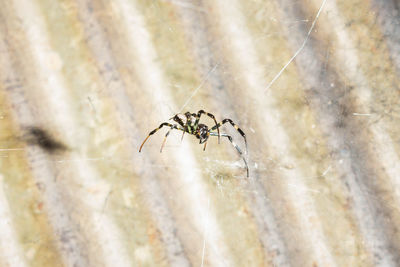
(199, 130)
(201, 133)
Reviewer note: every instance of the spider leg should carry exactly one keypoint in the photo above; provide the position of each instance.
(178, 120)
(234, 125)
(189, 122)
(155, 130)
(209, 115)
(205, 144)
(237, 148)
(166, 135)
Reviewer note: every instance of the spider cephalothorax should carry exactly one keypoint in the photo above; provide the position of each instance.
(201, 131)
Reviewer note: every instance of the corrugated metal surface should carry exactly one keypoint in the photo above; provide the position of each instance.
(98, 76)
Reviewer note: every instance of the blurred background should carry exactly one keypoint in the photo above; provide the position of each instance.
(314, 84)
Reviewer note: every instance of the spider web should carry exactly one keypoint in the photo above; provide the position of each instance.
(220, 163)
(264, 65)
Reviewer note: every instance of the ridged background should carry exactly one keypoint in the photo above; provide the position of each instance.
(98, 76)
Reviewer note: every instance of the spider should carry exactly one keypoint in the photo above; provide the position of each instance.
(200, 131)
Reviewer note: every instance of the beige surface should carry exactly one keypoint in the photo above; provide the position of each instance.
(98, 76)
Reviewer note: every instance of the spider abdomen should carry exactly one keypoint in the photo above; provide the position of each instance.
(202, 133)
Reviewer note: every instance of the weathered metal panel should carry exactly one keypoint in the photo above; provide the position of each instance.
(313, 84)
